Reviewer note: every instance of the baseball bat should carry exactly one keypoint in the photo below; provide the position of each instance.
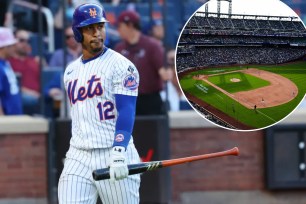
(101, 174)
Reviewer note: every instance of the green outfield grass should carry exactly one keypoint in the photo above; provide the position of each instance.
(247, 82)
(296, 72)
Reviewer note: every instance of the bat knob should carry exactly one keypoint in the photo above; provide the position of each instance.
(101, 174)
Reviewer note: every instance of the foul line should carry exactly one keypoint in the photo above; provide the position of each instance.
(219, 96)
(266, 116)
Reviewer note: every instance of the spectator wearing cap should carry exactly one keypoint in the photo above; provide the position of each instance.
(10, 100)
(147, 54)
(27, 67)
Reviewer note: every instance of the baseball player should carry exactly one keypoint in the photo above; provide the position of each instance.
(102, 87)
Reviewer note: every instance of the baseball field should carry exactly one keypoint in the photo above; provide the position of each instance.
(254, 95)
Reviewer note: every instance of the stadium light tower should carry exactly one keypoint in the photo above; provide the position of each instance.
(229, 7)
(218, 7)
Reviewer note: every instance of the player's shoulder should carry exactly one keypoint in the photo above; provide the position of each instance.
(73, 64)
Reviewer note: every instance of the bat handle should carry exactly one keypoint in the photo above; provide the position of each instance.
(101, 174)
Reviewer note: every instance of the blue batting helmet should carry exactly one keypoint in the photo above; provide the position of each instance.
(85, 15)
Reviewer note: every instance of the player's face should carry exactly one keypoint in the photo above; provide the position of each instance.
(94, 36)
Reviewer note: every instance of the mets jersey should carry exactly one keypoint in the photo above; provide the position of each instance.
(91, 85)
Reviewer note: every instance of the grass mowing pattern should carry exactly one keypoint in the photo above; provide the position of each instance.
(296, 72)
(247, 82)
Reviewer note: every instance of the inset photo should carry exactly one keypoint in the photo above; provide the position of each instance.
(242, 63)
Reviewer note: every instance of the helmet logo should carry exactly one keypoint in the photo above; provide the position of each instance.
(93, 12)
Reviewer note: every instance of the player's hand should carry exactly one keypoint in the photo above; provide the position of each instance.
(118, 167)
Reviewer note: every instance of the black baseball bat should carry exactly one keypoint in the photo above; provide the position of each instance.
(101, 174)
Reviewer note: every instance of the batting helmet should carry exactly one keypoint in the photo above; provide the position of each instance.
(85, 15)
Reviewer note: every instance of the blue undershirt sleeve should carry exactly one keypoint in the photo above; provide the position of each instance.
(126, 108)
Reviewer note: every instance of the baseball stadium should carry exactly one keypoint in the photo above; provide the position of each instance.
(242, 71)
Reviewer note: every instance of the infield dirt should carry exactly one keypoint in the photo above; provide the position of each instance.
(280, 91)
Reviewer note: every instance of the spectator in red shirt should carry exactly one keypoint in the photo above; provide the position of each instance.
(147, 54)
(28, 69)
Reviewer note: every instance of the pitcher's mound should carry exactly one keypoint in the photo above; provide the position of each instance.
(235, 80)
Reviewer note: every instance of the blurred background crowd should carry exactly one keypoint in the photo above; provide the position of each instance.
(45, 45)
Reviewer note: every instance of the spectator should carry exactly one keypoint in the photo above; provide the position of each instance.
(10, 100)
(54, 95)
(171, 93)
(176, 99)
(73, 50)
(157, 30)
(28, 68)
(147, 54)
(53, 89)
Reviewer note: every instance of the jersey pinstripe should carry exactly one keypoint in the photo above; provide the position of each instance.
(91, 87)
(76, 184)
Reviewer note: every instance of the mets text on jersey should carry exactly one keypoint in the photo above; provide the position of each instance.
(84, 92)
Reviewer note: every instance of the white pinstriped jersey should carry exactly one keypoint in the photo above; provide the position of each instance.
(91, 87)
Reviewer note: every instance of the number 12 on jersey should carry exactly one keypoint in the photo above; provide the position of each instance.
(106, 110)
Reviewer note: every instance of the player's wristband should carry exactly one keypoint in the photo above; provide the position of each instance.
(122, 138)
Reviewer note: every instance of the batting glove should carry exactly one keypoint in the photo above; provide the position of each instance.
(118, 167)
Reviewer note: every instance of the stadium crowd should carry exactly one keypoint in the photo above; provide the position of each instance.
(245, 24)
(209, 40)
(216, 55)
(248, 40)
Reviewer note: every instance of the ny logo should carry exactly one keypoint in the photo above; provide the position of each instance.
(93, 12)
